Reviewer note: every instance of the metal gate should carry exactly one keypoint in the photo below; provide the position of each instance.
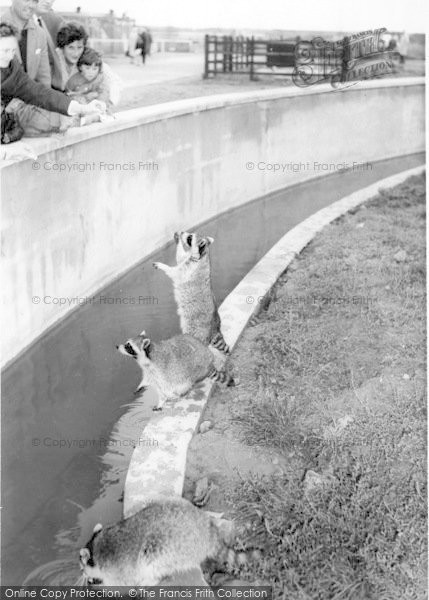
(247, 56)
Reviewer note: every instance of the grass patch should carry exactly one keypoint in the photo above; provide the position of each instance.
(343, 338)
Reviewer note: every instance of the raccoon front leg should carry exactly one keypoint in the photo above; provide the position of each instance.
(162, 267)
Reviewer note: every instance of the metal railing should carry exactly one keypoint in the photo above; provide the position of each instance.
(247, 56)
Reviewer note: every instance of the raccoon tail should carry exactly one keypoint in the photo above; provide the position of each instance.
(222, 377)
(218, 342)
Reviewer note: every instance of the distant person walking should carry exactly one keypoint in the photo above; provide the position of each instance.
(142, 44)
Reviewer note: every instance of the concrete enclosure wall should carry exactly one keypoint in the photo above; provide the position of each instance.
(99, 200)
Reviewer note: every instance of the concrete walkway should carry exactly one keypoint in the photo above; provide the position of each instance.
(159, 68)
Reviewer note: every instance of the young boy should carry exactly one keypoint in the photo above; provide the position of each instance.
(90, 83)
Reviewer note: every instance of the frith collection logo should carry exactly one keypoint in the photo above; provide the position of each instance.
(344, 62)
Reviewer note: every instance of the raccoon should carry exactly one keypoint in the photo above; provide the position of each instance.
(172, 366)
(165, 537)
(193, 291)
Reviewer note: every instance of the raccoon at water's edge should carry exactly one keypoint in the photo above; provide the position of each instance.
(165, 537)
(172, 366)
(191, 277)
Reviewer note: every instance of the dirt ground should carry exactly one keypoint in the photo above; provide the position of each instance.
(192, 87)
(320, 452)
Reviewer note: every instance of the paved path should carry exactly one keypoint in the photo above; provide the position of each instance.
(159, 68)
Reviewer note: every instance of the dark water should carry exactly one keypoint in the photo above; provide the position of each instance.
(69, 415)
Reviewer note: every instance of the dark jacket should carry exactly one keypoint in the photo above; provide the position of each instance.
(15, 83)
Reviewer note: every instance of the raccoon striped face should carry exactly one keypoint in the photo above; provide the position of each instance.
(184, 242)
(191, 246)
(137, 348)
(203, 246)
(128, 348)
(200, 249)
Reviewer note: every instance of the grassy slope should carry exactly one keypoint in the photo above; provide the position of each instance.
(336, 385)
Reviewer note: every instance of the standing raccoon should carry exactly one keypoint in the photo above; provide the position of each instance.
(163, 538)
(196, 304)
(172, 366)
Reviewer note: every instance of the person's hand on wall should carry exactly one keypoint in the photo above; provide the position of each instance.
(17, 151)
(96, 106)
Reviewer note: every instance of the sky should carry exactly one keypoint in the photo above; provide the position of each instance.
(329, 15)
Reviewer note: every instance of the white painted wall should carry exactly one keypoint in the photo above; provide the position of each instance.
(67, 233)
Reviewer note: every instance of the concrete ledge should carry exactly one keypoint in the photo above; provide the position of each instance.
(167, 110)
(161, 470)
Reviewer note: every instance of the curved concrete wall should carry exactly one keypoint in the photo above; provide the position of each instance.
(99, 200)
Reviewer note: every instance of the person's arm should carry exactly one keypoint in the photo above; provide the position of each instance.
(32, 92)
(37, 94)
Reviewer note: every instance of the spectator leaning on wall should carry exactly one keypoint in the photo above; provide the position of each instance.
(15, 83)
(32, 51)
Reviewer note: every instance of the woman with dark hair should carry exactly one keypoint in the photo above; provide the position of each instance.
(71, 42)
